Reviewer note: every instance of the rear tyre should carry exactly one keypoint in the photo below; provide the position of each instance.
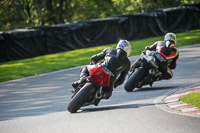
(80, 98)
(136, 77)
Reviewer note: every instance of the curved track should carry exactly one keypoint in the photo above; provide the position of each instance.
(38, 104)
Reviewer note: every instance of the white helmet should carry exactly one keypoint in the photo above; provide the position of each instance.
(170, 37)
(125, 45)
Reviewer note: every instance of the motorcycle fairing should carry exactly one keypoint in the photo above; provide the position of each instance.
(100, 75)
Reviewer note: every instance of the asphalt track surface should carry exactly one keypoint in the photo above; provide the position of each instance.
(38, 104)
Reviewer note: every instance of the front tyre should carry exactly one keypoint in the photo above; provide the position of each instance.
(136, 77)
(80, 98)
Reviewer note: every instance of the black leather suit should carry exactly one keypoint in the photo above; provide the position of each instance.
(116, 61)
(170, 53)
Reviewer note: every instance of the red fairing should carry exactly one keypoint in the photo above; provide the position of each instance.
(100, 76)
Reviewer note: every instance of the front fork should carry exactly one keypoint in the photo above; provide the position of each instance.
(135, 64)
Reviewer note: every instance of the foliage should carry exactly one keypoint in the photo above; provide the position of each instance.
(25, 13)
(192, 98)
(48, 63)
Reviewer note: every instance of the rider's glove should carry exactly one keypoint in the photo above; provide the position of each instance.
(144, 52)
(92, 62)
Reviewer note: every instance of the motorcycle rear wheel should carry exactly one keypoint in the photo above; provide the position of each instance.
(136, 77)
(80, 98)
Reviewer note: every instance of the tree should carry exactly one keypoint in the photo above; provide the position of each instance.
(26, 5)
(11, 16)
(23, 13)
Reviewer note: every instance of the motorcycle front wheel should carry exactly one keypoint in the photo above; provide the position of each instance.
(80, 98)
(135, 77)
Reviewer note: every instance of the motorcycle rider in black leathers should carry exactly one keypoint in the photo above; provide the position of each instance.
(167, 49)
(116, 60)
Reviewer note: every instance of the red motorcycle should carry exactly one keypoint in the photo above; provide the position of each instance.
(90, 92)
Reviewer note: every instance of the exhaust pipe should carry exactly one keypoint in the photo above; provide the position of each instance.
(99, 94)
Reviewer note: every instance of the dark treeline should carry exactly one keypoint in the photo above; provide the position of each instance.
(25, 13)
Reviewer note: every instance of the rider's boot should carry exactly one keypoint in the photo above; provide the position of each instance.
(77, 83)
(83, 77)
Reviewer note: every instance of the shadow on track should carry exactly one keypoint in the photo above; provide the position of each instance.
(113, 103)
(114, 107)
(154, 88)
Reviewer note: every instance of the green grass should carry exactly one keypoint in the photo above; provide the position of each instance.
(192, 98)
(48, 63)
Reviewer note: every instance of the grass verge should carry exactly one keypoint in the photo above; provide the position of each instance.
(192, 98)
(53, 62)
